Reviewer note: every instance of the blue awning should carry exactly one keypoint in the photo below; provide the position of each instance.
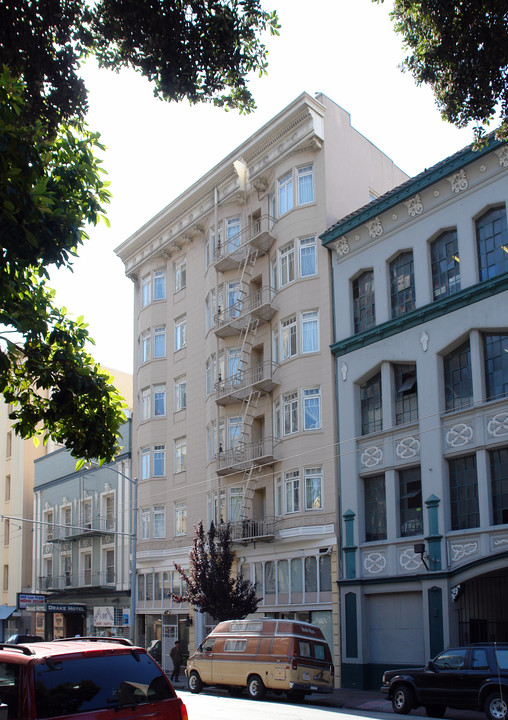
(6, 611)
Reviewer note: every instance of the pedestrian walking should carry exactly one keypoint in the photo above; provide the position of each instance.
(176, 657)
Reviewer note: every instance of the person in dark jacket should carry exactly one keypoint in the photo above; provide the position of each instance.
(176, 657)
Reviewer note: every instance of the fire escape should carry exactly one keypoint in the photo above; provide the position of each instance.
(251, 308)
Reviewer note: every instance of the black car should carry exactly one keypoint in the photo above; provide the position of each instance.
(473, 677)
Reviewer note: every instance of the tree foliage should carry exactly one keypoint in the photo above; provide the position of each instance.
(459, 48)
(50, 185)
(210, 586)
(195, 49)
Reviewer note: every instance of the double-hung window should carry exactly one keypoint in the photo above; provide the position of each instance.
(145, 524)
(286, 193)
(410, 502)
(375, 508)
(313, 488)
(233, 234)
(496, 365)
(146, 395)
(159, 460)
(311, 401)
(180, 454)
(180, 333)
(235, 503)
(234, 356)
(159, 341)
(371, 405)
(364, 309)
(145, 347)
(145, 463)
(235, 432)
(292, 491)
(406, 394)
(159, 400)
(159, 521)
(159, 285)
(180, 274)
(458, 380)
(146, 290)
(287, 264)
(288, 338)
(180, 393)
(310, 331)
(305, 184)
(290, 413)
(464, 505)
(180, 518)
(308, 257)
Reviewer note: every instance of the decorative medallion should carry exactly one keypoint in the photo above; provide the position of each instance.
(395, 216)
(460, 434)
(371, 456)
(462, 550)
(456, 592)
(458, 181)
(498, 425)
(408, 447)
(436, 193)
(409, 560)
(343, 371)
(499, 541)
(483, 168)
(341, 246)
(502, 154)
(414, 206)
(375, 228)
(374, 563)
(424, 339)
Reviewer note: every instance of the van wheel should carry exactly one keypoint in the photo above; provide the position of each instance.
(256, 688)
(195, 683)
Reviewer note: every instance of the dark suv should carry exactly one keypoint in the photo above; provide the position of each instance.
(104, 678)
(473, 677)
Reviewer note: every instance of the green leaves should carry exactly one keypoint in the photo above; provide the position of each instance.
(460, 49)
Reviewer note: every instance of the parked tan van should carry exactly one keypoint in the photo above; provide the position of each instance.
(260, 655)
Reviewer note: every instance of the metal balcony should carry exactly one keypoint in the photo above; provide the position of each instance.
(245, 455)
(253, 530)
(255, 238)
(237, 388)
(69, 581)
(233, 319)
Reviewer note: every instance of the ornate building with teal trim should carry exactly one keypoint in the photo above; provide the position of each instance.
(420, 290)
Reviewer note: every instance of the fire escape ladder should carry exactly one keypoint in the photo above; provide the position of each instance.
(250, 478)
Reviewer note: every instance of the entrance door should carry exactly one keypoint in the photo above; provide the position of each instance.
(169, 635)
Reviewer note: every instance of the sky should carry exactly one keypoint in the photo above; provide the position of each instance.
(346, 49)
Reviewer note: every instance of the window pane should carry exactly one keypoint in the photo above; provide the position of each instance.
(364, 310)
(402, 284)
(159, 285)
(159, 338)
(371, 405)
(496, 365)
(406, 394)
(311, 409)
(375, 508)
(305, 185)
(308, 265)
(445, 265)
(458, 378)
(286, 193)
(410, 502)
(313, 489)
(464, 509)
(310, 331)
(492, 240)
(310, 574)
(499, 480)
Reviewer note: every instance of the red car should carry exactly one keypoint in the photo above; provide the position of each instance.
(85, 679)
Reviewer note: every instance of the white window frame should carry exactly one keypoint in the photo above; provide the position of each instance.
(309, 395)
(287, 264)
(288, 339)
(180, 519)
(159, 284)
(145, 463)
(234, 431)
(180, 446)
(86, 566)
(235, 493)
(180, 333)
(290, 413)
(310, 474)
(145, 403)
(180, 393)
(309, 318)
(108, 513)
(159, 458)
(233, 233)
(279, 497)
(108, 566)
(159, 400)
(146, 290)
(292, 494)
(304, 244)
(144, 522)
(145, 347)
(159, 341)
(285, 193)
(180, 274)
(159, 521)
(302, 173)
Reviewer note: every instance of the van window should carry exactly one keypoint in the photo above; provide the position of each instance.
(319, 652)
(235, 645)
(304, 649)
(208, 644)
(246, 626)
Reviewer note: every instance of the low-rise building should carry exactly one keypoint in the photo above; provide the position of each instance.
(420, 281)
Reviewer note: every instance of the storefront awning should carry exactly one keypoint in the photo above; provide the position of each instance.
(6, 611)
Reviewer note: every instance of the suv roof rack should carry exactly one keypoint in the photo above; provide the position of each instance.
(20, 647)
(95, 638)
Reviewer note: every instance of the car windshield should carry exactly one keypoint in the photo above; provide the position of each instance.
(96, 682)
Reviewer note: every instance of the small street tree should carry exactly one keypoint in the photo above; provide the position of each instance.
(210, 586)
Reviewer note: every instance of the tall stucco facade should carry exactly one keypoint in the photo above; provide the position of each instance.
(421, 348)
(235, 415)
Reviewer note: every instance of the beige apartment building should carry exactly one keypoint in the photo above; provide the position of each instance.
(234, 379)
